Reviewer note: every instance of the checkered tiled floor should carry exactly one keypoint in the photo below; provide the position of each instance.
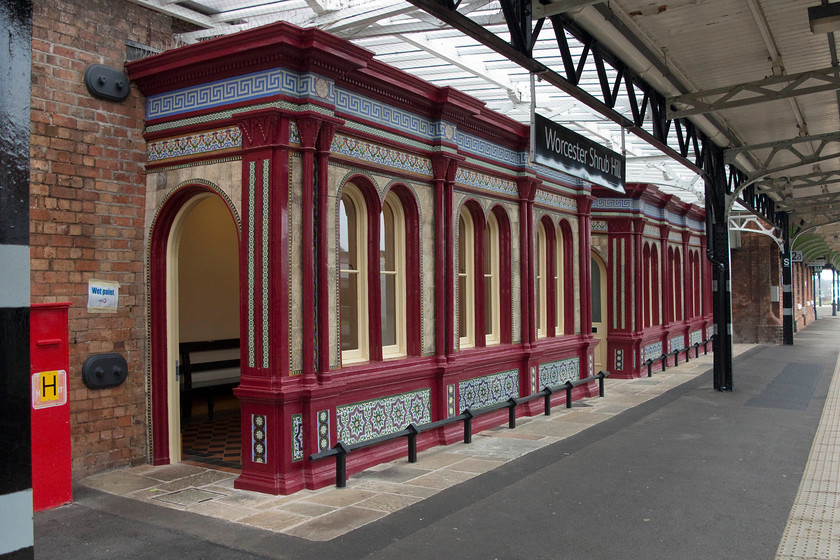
(217, 442)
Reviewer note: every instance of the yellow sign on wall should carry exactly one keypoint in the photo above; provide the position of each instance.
(49, 388)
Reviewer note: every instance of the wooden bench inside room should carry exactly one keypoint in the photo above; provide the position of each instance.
(207, 369)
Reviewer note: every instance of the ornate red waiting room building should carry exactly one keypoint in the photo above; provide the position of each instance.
(383, 252)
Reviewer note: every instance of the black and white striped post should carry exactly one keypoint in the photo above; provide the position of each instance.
(16, 530)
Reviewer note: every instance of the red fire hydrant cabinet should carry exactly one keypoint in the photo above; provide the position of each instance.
(52, 483)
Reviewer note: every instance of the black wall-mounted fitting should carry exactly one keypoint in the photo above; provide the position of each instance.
(102, 371)
(107, 83)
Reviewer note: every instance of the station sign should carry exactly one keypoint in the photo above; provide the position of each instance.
(559, 148)
(820, 263)
(796, 256)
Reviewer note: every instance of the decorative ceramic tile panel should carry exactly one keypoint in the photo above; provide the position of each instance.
(488, 389)
(297, 437)
(233, 90)
(534, 383)
(695, 224)
(194, 144)
(558, 176)
(710, 330)
(481, 147)
(651, 231)
(265, 262)
(674, 218)
(600, 225)
(555, 200)
(675, 237)
(366, 420)
(619, 359)
(695, 337)
(252, 166)
(450, 400)
(258, 438)
(381, 155)
(676, 343)
(323, 430)
(556, 373)
(369, 109)
(615, 204)
(651, 211)
(652, 351)
(485, 182)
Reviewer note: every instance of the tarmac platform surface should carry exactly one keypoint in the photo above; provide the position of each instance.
(664, 467)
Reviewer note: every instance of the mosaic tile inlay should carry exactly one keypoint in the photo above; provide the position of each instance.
(488, 389)
(248, 87)
(556, 373)
(555, 200)
(652, 351)
(486, 182)
(676, 343)
(194, 144)
(258, 438)
(323, 430)
(373, 153)
(695, 337)
(297, 437)
(366, 420)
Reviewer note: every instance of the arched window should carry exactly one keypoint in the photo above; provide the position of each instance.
(557, 280)
(492, 326)
(698, 285)
(566, 292)
(353, 288)
(646, 299)
(541, 281)
(677, 283)
(655, 289)
(392, 277)
(466, 279)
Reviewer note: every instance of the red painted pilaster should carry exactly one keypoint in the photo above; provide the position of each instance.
(322, 156)
(308, 128)
(665, 277)
(444, 167)
(688, 281)
(585, 262)
(264, 309)
(638, 274)
(527, 192)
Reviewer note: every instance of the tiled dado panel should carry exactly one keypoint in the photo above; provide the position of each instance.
(676, 343)
(366, 420)
(695, 338)
(488, 389)
(652, 351)
(555, 373)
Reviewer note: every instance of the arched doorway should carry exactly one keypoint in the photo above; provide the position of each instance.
(194, 293)
(600, 308)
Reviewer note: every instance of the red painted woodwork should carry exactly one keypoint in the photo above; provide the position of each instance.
(49, 352)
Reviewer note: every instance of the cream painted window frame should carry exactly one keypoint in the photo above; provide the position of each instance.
(362, 353)
(541, 284)
(495, 336)
(468, 231)
(398, 349)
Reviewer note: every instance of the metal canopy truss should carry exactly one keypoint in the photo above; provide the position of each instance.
(752, 224)
(760, 91)
(614, 81)
(823, 147)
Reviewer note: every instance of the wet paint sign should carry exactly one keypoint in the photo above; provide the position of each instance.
(49, 388)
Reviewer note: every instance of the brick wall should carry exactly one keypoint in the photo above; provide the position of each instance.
(756, 269)
(87, 210)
